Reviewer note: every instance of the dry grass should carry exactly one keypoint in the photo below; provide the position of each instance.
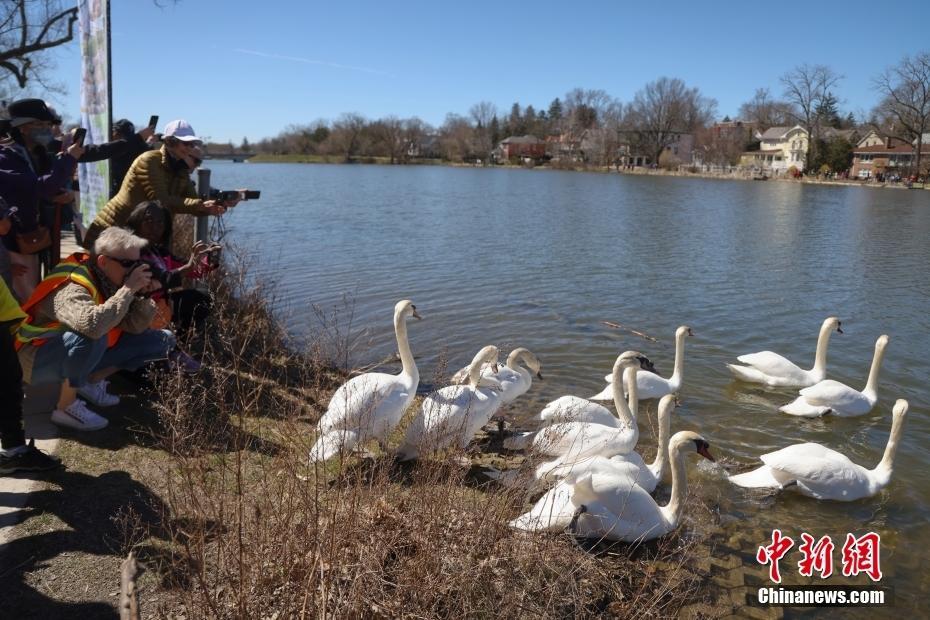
(253, 532)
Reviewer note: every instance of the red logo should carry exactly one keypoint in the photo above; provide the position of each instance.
(861, 555)
(773, 553)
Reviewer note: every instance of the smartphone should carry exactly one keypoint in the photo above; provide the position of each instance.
(79, 134)
(153, 121)
(6, 212)
(251, 194)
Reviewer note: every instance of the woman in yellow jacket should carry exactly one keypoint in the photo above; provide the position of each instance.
(162, 175)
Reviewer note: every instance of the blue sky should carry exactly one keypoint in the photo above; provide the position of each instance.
(243, 68)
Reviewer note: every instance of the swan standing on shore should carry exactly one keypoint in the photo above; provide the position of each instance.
(650, 384)
(515, 379)
(774, 370)
(831, 396)
(370, 405)
(819, 472)
(603, 504)
(454, 413)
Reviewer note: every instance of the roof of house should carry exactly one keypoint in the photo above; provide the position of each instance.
(521, 140)
(880, 149)
(774, 133)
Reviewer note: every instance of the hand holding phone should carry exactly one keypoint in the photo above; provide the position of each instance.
(79, 135)
(153, 121)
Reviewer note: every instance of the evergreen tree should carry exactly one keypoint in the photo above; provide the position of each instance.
(555, 115)
(827, 111)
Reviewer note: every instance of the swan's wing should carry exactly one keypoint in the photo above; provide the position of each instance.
(616, 510)
(800, 407)
(577, 440)
(357, 402)
(332, 443)
(552, 512)
(650, 385)
(461, 375)
(771, 364)
(836, 395)
(813, 462)
(572, 408)
(762, 478)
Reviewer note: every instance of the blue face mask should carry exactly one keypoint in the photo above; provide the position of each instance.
(42, 136)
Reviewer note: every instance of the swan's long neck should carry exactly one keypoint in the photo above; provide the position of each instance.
(623, 409)
(886, 465)
(871, 386)
(679, 358)
(657, 467)
(672, 511)
(403, 347)
(823, 342)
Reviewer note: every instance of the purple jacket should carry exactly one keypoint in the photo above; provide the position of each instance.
(21, 187)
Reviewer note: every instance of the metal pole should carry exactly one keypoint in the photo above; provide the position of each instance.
(201, 230)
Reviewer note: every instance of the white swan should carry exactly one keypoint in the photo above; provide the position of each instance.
(454, 413)
(577, 440)
(776, 371)
(650, 384)
(831, 396)
(564, 419)
(648, 476)
(370, 405)
(515, 379)
(822, 473)
(603, 504)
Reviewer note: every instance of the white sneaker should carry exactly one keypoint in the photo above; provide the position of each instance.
(97, 394)
(77, 415)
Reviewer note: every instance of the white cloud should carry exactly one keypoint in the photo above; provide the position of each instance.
(310, 61)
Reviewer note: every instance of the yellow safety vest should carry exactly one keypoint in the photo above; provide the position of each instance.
(72, 269)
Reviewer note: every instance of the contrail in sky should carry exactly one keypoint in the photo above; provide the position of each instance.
(310, 61)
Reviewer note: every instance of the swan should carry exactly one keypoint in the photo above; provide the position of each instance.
(566, 421)
(608, 505)
(819, 472)
(650, 384)
(648, 476)
(370, 405)
(577, 440)
(831, 396)
(776, 371)
(515, 379)
(454, 413)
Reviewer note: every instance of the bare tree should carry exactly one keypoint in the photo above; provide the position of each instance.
(806, 88)
(483, 114)
(765, 111)
(906, 100)
(664, 110)
(584, 108)
(346, 136)
(415, 135)
(28, 28)
(456, 137)
(389, 131)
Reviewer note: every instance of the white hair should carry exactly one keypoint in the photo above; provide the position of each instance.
(118, 240)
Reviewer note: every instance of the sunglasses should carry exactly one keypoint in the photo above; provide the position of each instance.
(126, 263)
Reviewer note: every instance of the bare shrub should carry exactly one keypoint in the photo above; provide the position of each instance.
(253, 532)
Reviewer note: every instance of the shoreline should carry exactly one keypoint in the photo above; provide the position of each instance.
(743, 176)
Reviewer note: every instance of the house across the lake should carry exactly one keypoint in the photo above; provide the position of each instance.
(780, 148)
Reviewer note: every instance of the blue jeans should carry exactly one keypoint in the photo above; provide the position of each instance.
(75, 357)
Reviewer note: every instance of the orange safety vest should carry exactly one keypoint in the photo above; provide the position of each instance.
(72, 269)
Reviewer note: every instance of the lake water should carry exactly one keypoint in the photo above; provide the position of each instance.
(541, 258)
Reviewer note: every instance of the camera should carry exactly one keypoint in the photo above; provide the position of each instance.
(227, 195)
(162, 276)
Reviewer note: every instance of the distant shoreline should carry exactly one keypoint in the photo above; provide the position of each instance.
(744, 176)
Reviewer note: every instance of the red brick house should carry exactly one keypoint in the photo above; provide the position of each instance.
(890, 156)
(522, 146)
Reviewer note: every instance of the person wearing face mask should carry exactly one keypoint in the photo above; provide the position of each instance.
(25, 182)
(87, 319)
(162, 175)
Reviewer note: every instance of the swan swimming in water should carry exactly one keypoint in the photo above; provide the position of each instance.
(775, 370)
(837, 398)
(454, 414)
(370, 405)
(650, 384)
(819, 472)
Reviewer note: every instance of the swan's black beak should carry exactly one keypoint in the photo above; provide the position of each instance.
(539, 375)
(838, 328)
(690, 333)
(416, 315)
(646, 364)
(703, 448)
